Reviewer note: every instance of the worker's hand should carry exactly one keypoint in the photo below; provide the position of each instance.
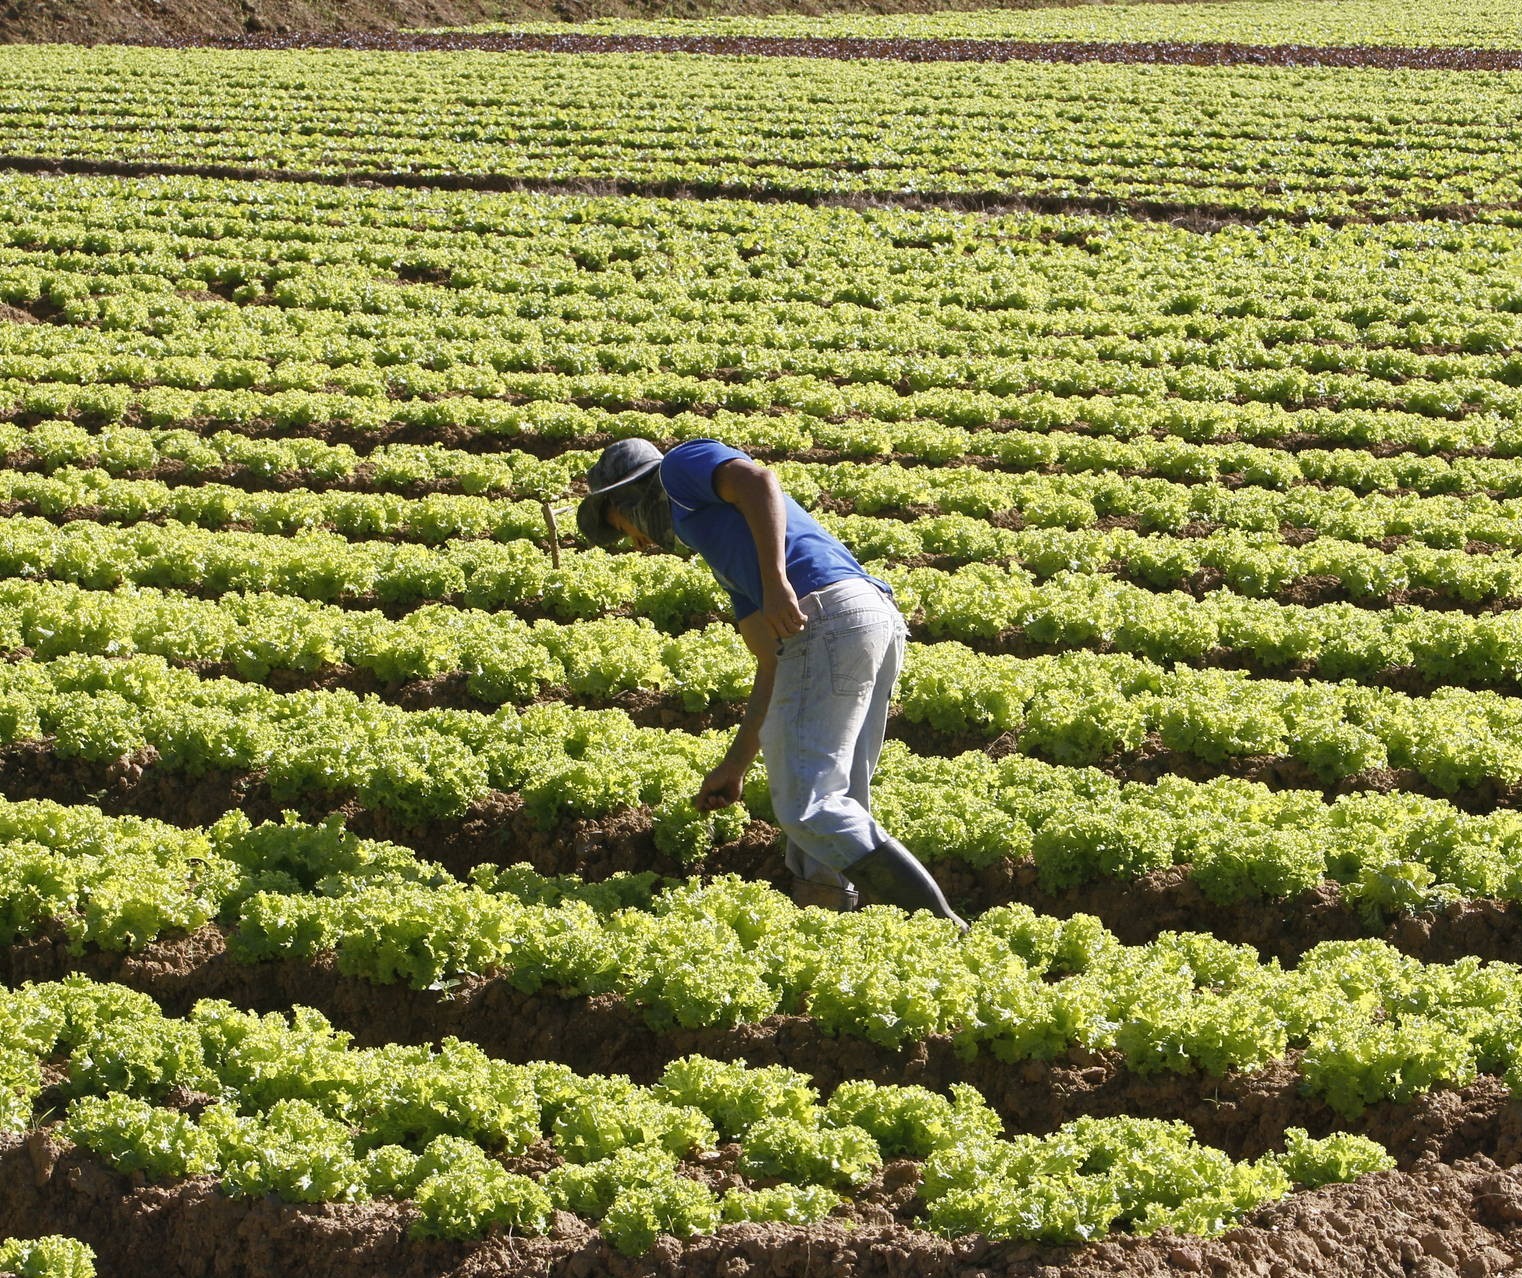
(780, 613)
(720, 788)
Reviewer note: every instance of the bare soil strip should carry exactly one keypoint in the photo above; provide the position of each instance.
(499, 831)
(1202, 217)
(1437, 1220)
(1204, 53)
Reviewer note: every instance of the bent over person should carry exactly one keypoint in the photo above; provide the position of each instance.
(828, 643)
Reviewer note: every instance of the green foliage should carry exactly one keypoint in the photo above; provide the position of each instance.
(734, 1096)
(671, 1205)
(1340, 1157)
(590, 1188)
(132, 1135)
(461, 1193)
(1089, 1175)
(293, 1149)
(806, 1152)
(911, 1121)
(391, 1171)
(611, 1113)
(51, 1256)
(1353, 1067)
(790, 1204)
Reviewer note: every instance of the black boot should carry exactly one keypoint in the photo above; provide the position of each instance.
(891, 875)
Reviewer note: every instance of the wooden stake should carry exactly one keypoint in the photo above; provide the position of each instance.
(549, 519)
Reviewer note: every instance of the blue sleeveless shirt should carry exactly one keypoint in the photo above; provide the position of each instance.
(718, 532)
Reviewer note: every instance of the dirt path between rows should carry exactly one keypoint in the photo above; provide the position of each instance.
(1200, 53)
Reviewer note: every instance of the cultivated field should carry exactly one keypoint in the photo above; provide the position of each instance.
(356, 917)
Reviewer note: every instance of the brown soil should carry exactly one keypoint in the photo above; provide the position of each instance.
(1164, 52)
(98, 21)
(179, 21)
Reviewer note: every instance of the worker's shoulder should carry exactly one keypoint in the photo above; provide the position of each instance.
(695, 460)
(693, 450)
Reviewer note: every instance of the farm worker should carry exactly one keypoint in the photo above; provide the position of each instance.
(828, 643)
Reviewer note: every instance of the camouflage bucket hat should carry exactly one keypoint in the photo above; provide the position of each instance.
(621, 463)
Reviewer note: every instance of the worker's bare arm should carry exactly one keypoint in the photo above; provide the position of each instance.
(754, 491)
(723, 785)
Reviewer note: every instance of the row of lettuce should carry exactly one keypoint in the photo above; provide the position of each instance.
(419, 767)
(796, 280)
(507, 658)
(1072, 501)
(1360, 1021)
(318, 565)
(58, 446)
(1241, 840)
(915, 332)
(1077, 707)
(286, 1105)
(939, 402)
(1473, 24)
(1297, 141)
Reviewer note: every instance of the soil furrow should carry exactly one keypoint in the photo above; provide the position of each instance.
(1211, 53)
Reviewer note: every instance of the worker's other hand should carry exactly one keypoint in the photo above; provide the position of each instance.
(781, 614)
(720, 788)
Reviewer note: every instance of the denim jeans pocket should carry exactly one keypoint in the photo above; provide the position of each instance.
(855, 655)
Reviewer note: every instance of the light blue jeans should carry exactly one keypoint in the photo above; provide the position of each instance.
(823, 731)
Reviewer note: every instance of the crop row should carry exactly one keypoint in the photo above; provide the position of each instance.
(481, 573)
(507, 659)
(896, 347)
(291, 1108)
(1306, 142)
(1371, 1023)
(779, 277)
(1077, 707)
(1044, 501)
(394, 358)
(1076, 825)
(425, 766)
(558, 407)
(980, 603)
(131, 452)
(1085, 708)
(786, 277)
(1080, 501)
(1254, 564)
(1454, 739)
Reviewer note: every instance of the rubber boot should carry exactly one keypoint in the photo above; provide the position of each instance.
(827, 896)
(891, 875)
